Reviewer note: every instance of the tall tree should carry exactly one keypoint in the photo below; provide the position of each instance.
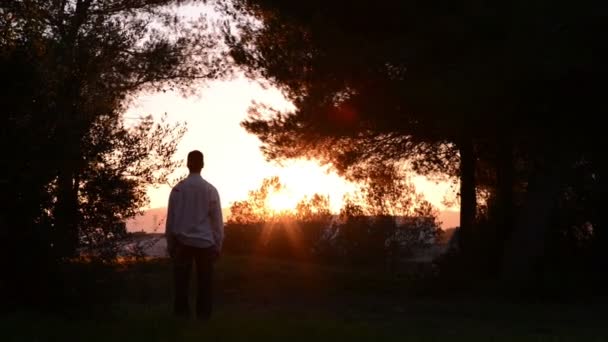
(86, 60)
(457, 87)
(380, 96)
(71, 170)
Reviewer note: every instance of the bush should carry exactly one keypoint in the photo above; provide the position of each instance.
(355, 240)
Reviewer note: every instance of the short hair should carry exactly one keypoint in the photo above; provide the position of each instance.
(195, 161)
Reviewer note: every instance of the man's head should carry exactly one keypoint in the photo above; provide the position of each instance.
(195, 161)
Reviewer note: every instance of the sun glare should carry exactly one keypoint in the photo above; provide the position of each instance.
(302, 179)
(282, 201)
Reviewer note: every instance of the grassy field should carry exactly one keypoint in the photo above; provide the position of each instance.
(267, 300)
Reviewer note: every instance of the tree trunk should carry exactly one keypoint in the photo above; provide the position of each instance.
(66, 227)
(598, 219)
(71, 127)
(504, 197)
(468, 198)
(527, 242)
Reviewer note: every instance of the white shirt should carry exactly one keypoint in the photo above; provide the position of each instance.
(194, 214)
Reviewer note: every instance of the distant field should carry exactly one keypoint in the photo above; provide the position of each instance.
(153, 220)
(267, 300)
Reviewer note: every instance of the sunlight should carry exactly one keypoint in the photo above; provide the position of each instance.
(304, 178)
(282, 201)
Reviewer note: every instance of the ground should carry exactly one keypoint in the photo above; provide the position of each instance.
(261, 299)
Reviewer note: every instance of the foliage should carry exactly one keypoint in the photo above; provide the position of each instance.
(122, 162)
(315, 208)
(75, 66)
(71, 169)
(502, 95)
(385, 219)
(255, 208)
(359, 240)
(386, 190)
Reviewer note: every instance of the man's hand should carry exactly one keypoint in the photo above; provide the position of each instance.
(171, 245)
(216, 254)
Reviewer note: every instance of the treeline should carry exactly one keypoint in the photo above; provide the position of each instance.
(385, 220)
(355, 240)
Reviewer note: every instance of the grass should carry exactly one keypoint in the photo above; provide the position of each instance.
(267, 300)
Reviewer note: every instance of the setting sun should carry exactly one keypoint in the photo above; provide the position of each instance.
(302, 179)
(282, 201)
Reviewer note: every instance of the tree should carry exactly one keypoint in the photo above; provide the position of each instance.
(313, 209)
(482, 91)
(72, 168)
(120, 163)
(86, 59)
(356, 106)
(254, 208)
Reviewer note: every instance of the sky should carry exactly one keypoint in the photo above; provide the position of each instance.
(233, 160)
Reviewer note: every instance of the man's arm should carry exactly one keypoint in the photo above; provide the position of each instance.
(217, 220)
(169, 225)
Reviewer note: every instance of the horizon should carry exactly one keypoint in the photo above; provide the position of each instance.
(145, 222)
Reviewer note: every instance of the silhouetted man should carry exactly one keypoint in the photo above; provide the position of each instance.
(194, 232)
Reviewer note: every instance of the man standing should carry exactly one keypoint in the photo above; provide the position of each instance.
(194, 232)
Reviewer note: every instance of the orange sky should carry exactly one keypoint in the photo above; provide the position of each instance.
(233, 161)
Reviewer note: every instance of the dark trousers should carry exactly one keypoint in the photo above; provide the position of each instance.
(184, 258)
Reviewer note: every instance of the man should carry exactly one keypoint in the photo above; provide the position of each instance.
(194, 232)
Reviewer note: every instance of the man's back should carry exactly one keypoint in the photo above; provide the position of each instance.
(194, 215)
(194, 232)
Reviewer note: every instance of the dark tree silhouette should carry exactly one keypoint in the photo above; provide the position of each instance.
(503, 95)
(71, 169)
